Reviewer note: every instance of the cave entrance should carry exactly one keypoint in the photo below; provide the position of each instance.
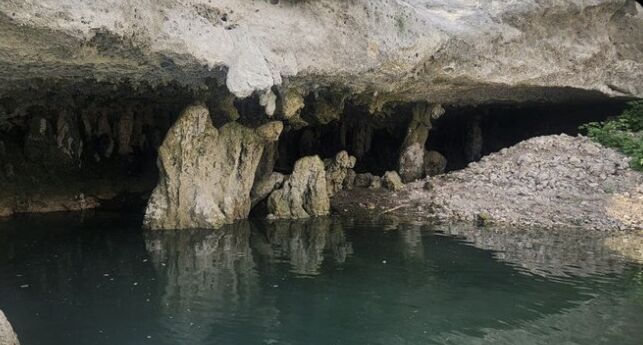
(462, 135)
(465, 134)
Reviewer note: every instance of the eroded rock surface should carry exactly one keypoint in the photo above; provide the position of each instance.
(206, 174)
(338, 171)
(411, 163)
(431, 50)
(304, 193)
(391, 181)
(7, 335)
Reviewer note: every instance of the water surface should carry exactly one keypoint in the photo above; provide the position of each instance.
(99, 279)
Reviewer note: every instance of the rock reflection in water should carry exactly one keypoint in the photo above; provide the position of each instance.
(206, 275)
(304, 243)
(544, 252)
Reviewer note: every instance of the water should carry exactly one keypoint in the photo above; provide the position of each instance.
(100, 280)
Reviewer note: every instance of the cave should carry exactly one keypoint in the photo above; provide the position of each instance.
(90, 144)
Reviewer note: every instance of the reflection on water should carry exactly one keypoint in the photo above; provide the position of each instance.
(318, 281)
(546, 253)
(304, 242)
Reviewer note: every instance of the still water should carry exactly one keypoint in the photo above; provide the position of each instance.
(74, 279)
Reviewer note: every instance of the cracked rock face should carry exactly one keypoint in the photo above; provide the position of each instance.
(304, 193)
(7, 335)
(206, 174)
(432, 50)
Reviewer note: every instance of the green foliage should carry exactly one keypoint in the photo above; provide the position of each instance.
(624, 133)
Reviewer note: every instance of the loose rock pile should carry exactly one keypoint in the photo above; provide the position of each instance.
(550, 181)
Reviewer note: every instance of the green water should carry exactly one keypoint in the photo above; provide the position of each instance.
(100, 280)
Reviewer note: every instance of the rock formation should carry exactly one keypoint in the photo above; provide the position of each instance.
(411, 163)
(264, 186)
(7, 336)
(303, 194)
(434, 163)
(391, 181)
(433, 50)
(206, 174)
(337, 172)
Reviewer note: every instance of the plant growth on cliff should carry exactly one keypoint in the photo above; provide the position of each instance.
(624, 133)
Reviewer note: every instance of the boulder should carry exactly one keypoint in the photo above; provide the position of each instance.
(363, 180)
(7, 335)
(434, 163)
(337, 171)
(205, 174)
(376, 183)
(392, 181)
(303, 194)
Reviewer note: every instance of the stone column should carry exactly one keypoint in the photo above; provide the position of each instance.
(411, 161)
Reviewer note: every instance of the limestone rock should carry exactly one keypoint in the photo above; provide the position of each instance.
(349, 181)
(433, 50)
(411, 164)
(337, 171)
(7, 335)
(264, 186)
(392, 181)
(291, 103)
(124, 131)
(304, 193)
(434, 163)
(68, 135)
(363, 180)
(206, 174)
(411, 161)
(376, 183)
(268, 100)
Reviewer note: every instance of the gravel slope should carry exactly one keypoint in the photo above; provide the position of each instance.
(549, 181)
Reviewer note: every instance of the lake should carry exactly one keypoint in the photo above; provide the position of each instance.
(97, 278)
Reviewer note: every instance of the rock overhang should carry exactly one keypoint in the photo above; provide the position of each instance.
(458, 52)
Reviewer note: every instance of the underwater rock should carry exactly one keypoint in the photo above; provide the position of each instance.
(303, 194)
(206, 174)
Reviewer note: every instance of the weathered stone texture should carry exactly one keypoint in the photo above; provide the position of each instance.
(304, 193)
(206, 174)
(7, 335)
